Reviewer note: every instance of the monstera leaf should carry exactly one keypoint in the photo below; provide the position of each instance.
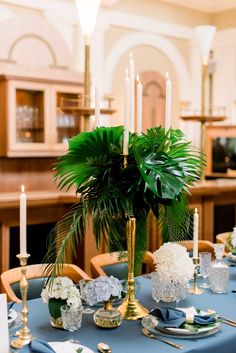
(161, 167)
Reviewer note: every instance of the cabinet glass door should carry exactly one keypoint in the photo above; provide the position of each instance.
(30, 116)
(68, 121)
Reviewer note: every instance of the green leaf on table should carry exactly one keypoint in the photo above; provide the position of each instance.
(79, 350)
(190, 327)
(195, 327)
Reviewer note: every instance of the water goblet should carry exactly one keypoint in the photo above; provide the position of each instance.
(71, 319)
(82, 287)
(205, 260)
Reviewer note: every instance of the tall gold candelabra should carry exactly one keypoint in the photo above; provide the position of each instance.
(131, 309)
(203, 108)
(86, 73)
(25, 336)
(195, 289)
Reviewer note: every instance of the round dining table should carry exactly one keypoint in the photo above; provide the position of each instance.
(128, 338)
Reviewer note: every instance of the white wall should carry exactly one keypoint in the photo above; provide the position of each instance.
(160, 35)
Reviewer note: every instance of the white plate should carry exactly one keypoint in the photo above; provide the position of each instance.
(68, 347)
(150, 322)
(12, 315)
(231, 257)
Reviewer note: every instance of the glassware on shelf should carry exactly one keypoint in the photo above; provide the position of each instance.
(28, 123)
(71, 319)
(205, 261)
(219, 271)
(66, 126)
(65, 120)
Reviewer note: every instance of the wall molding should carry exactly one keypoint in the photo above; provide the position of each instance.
(20, 27)
(140, 38)
(108, 18)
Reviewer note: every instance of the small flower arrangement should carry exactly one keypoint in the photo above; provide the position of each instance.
(60, 291)
(173, 263)
(102, 289)
(231, 242)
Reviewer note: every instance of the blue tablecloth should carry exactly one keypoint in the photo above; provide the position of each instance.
(128, 337)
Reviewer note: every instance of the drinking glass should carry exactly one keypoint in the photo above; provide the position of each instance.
(82, 287)
(71, 319)
(205, 261)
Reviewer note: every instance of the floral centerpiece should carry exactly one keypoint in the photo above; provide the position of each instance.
(60, 291)
(161, 167)
(174, 268)
(105, 289)
(231, 242)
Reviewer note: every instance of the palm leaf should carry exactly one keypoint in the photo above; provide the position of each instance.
(161, 167)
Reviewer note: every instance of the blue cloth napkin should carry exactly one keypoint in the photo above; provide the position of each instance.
(40, 346)
(10, 305)
(168, 317)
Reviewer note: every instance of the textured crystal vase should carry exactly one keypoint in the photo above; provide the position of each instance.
(54, 308)
(107, 317)
(167, 291)
(57, 323)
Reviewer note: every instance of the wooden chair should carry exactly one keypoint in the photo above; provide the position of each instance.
(110, 264)
(203, 245)
(36, 278)
(223, 239)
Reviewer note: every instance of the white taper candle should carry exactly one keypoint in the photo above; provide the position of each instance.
(132, 79)
(126, 113)
(23, 221)
(195, 233)
(139, 106)
(4, 334)
(168, 103)
(97, 106)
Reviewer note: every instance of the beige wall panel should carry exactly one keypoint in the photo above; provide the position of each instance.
(224, 19)
(164, 11)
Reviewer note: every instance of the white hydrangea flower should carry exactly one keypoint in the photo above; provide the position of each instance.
(173, 263)
(62, 288)
(233, 240)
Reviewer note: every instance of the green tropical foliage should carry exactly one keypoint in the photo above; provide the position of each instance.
(161, 168)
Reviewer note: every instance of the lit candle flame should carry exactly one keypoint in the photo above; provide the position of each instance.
(22, 188)
(138, 80)
(167, 76)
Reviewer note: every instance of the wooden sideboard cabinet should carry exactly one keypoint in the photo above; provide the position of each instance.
(33, 124)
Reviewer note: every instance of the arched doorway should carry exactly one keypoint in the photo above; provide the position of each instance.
(153, 99)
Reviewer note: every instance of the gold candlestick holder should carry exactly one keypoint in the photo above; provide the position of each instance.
(125, 161)
(195, 289)
(25, 336)
(131, 309)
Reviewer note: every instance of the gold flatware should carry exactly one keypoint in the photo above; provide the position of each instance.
(223, 319)
(104, 348)
(156, 337)
(226, 319)
(226, 322)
